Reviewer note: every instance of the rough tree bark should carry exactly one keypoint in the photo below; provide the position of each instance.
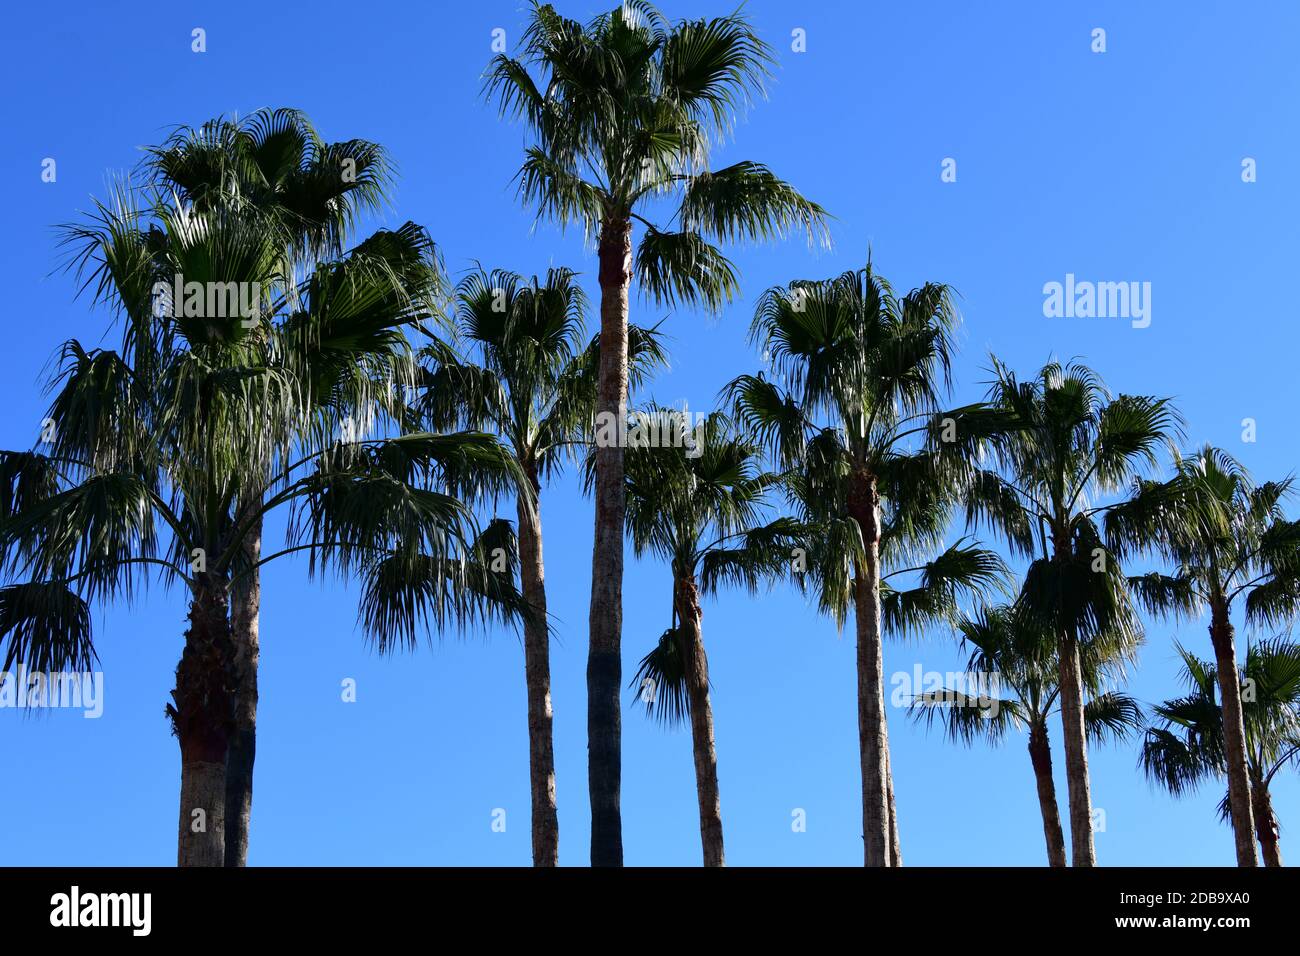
(895, 848)
(1040, 754)
(864, 508)
(690, 618)
(1223, 638)
(245, 606)
(1266, 825)
(202, 717)
(1075, 744)
(604, 655)
(537, 671)
(1074, 737)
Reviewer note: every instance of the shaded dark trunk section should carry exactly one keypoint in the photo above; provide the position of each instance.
(537, 672)
(1223, 638)
(202, 716)
(604, 654)
(873, 744)
(1266, 825)
(245, 606)
(687, 600)
(1040, 754)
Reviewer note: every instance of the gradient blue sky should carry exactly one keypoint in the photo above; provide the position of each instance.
(1117, 166)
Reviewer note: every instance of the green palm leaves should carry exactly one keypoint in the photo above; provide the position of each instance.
(625, 109)
(1228, 538)
(1188, 746)
(1016, 657)
(852, 420)
(1064, 442)
(700, 505)
(164, 455)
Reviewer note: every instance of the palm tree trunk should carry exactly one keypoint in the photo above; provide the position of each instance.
(537, 672)
(873, 744)
(604, 653)
(1040, 753)
(1075, 739)
(690, 616)
(895, 849)
(1266, 826)
(202, 716)
(1082, 850)
(1234, 733)
(245, 606)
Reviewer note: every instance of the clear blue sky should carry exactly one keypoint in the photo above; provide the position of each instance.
(1117, 166)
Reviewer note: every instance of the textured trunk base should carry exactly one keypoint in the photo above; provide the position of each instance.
(245, 609)
(202, 718)
(1234, 736)
(1082, 849)
(203, 814)
(1266, 825)
(895, 848)
(239, 793)
(1040, 754)
(537, 673)
(703, 746)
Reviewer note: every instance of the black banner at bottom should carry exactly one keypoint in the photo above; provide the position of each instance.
(495, 905)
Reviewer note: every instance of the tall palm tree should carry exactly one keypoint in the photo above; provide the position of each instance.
(1013, 655)
(699, 505)
(274, 166)
(530, 378)
(1065, 442)
(154, 445)
(1229, 538)
(874, 364)
(1189, 745)
(624, 110)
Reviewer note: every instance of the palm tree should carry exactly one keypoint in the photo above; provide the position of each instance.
(699, 505)
(1189, 745)
(1014, 656)
(624, 110)
(1229, 539)
(155, 444)
(274, 166)
(530, 379)
(1065, 441)
(875, 364)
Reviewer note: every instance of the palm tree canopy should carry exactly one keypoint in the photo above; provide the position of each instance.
(1186, 745)
(529, 374)
(625, 109)
(849, 350)
(153, 444)
(1226, 535)
(1022, 658)
(1063, 443)
(872, 366)
(701, 505)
